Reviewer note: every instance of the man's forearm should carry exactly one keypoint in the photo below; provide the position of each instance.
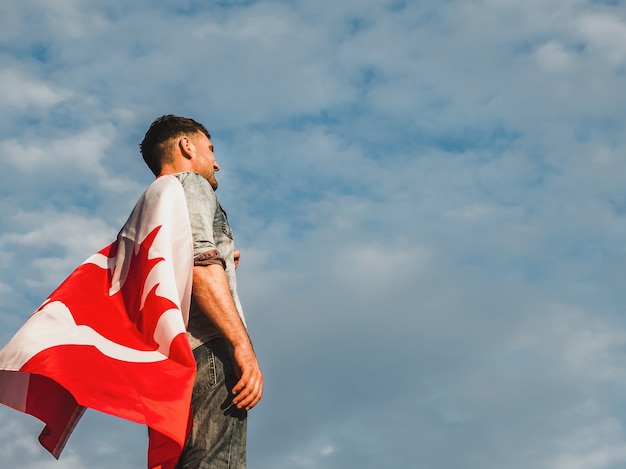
(212, 295)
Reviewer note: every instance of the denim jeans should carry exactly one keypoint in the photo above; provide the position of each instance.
(218, 435)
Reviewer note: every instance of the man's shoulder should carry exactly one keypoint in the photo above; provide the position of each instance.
(157, 206)
(188, 176)
(164, 183)
(191, 180)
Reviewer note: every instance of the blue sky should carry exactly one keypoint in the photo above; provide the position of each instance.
(428, 196)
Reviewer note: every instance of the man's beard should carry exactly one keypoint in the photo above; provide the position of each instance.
(213, 182)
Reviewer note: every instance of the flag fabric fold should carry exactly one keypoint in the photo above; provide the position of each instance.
(112, 336)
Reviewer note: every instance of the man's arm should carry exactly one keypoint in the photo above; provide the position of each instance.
(212, 295)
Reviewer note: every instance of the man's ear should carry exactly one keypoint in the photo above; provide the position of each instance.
(186, 146)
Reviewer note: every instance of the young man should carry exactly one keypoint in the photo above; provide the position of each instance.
(228, 378)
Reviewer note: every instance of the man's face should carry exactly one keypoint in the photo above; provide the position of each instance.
(204, 160)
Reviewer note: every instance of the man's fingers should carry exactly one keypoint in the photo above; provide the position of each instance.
(249, 388)
(248, 392)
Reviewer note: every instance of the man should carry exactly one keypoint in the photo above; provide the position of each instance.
(228, 378)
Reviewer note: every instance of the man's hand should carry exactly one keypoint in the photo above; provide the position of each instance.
(249, 389)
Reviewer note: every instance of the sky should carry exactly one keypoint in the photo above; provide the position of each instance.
(428, 197)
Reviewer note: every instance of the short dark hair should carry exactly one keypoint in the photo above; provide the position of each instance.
(154, 147)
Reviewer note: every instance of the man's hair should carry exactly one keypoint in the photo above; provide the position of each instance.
(156, 145)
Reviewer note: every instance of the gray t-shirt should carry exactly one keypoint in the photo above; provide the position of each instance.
(212, 243)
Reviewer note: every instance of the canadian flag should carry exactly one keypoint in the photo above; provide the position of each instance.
(112, 336)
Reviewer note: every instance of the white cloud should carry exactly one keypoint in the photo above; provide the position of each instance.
(470, 212)
(606, 34)
(372, 268)
(596, 446)
(23, 91)
(63, 241)
(71, 18)
(585, 344)
(554, 57)
(84, 151)
(69, 160)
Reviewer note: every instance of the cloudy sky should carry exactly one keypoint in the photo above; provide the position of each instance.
(428, 196)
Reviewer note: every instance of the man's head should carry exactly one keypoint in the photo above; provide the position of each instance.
(171, 136)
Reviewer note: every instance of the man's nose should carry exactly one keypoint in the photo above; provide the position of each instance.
(216, 167)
